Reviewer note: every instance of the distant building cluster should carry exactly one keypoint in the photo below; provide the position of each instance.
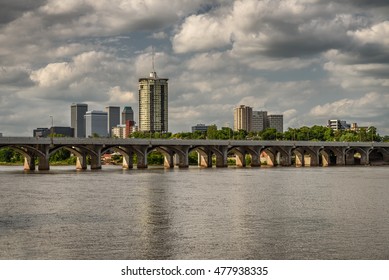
(255, 121)
(343, 125)
(153, 115)
(84, 123)
(101, 123)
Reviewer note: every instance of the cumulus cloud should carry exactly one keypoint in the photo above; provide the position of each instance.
(290, 56)
(346, 108)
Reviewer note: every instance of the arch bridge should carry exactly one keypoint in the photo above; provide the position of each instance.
(37, 151)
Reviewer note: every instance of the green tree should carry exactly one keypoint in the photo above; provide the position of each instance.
(269, 134)
(6, 155)
(212, 132)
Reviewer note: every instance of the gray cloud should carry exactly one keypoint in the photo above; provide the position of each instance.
(12, 9)
(307, 59)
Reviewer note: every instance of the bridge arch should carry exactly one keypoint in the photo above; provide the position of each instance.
(207, 153)
(29, 153)
(379, 156)
(305, 156)
(356, 156)
(274, 156)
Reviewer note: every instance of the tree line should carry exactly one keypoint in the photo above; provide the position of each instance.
(305, 133)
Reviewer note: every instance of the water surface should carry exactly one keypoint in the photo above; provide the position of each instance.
(232, 213)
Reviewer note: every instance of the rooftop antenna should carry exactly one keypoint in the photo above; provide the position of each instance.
(153, 74)
(153, 57)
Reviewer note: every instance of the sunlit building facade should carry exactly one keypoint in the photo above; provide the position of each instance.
(153, 104)
(243, 118)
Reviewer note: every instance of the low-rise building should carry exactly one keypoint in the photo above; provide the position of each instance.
(64, 131)
(200, 127)
(338, 125)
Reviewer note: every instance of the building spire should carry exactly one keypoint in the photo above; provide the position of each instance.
(153, 74)
(153, 58)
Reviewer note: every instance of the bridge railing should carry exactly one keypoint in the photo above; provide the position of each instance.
(180, 142)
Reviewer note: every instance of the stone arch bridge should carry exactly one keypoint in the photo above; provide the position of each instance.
(210, 152)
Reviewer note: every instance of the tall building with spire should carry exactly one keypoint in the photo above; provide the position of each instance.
(153, 103)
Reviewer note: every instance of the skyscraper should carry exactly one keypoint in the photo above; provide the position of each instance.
(127, 114)
(243, 118)
(77, 120)
(153, 104)
(113, 117)
(259, 121)
(276, 121)
(96, 123)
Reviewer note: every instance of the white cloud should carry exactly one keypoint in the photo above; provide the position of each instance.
(291, 56)
(201, 33)
(376, 34)
(118, 96)
(365, 106)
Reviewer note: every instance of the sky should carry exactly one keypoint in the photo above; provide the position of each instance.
(310, 60)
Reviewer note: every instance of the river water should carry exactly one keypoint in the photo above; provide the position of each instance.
(232, 213)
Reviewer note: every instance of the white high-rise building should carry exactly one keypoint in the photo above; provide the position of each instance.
(153, 104)
(243, 118)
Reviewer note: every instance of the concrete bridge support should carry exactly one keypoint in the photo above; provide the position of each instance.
(221, 157)
(29, 162)
(95, 157)
(141, 156)
(168, 161)
(204, 159)
(81, 163)
(183, 157)
(255, 161)
(43, 161)
(128, 158)
(240, 158)
(299, 158)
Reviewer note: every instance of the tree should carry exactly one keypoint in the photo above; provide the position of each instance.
(6, 155)
(212, 132)
(269, 134)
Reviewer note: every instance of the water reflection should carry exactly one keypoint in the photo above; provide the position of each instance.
(334, 213)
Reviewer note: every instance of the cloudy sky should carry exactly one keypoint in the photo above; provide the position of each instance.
(311, 60)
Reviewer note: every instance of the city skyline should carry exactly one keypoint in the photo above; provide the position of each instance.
(308, 60)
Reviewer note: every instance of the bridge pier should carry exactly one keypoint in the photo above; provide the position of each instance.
(29, 162)
(255, 161)
(300, 159)
(183, 157)
(141, 156)
(81, 163)
(168, 160)
(128, 159)
(43, 161)
(221, 157)
(95, 157)
(240, 159)
(204, 159)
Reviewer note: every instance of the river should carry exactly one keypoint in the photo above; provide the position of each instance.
(232, 213)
